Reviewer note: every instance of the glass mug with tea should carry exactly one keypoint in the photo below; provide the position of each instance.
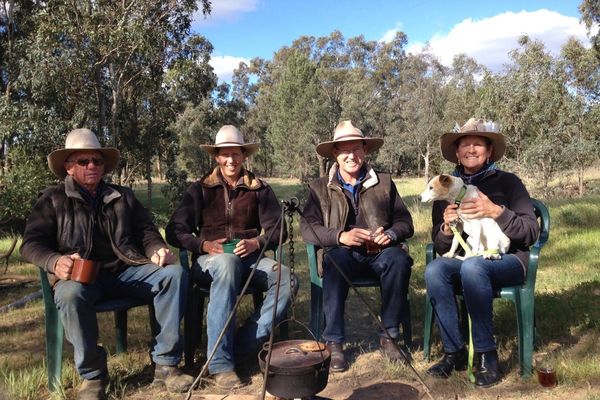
(546, 374)
(372, 247)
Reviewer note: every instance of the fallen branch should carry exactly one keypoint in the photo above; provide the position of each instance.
(21, 302)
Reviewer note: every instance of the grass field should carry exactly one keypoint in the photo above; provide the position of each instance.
(567, 316)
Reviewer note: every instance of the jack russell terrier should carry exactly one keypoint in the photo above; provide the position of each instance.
(485, 236)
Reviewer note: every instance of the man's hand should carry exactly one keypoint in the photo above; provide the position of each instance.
(479, 207)
(213, 247)
(380, 237)
(355, 237)
(64, 266)
(245, 247)
(162, 257)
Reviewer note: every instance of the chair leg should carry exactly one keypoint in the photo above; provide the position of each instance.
(54, 348)
(526, 332)
(427, 327)
(121, 330)
(316, 310)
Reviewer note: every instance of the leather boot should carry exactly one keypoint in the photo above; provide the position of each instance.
(172, 378)
(487, 373)
(338, 360)
(93, 389)
(451, 361)
(389, 351)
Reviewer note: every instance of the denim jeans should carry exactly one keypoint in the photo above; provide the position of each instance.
(479, 279)
(165, 286)
(393, 267)
(227, 273)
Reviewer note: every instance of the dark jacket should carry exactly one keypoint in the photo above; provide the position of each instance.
(209, 210)
(331, 210)
(61, 222)
(517, 221)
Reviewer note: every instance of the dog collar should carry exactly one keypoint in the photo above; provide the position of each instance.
(461, 195)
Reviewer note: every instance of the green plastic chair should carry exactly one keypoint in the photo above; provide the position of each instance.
(55, 330)
(522, 296)
(317, 319)
(194, 313)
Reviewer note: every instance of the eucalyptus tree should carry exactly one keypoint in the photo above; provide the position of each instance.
(527, 99)
(590, 14)
(582, 112)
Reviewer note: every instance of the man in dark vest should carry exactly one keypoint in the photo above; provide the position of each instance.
(359, 217)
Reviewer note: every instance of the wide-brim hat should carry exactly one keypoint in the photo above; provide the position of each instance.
(230, 136)
(81, 139)
(474, 127)
(345, 132)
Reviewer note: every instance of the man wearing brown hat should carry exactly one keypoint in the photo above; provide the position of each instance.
(231, 204)
(84, 217)
(361, 220)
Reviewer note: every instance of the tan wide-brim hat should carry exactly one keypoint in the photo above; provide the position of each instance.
(81, 139)
(474, 127)
(230, 136)
(345, 132)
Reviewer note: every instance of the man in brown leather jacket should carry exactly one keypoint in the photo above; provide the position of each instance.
(231, 203)
(359, 217)
(84, 217)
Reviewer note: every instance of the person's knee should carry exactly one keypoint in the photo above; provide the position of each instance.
(472, 272)
(227, 268)
(175, 272)
(339, 255)
(68, 292)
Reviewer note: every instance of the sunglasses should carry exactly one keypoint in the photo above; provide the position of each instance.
(84, 162)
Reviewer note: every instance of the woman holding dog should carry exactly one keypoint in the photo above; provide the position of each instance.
(475, 148)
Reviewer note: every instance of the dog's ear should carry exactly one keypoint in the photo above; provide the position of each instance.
(445, 180)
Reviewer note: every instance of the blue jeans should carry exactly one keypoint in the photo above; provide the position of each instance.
(165, 286)
(227, 273)
(393, 268)
(479, 279)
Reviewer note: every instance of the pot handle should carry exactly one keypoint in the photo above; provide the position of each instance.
(294, 349)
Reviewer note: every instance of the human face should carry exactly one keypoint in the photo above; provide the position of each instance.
(88, 176)
(473, 152)
(230, 160)
(350, 156)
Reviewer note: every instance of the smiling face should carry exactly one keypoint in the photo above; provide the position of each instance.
(87, 174)
(473, 152)
(350, 156)
(230, 160)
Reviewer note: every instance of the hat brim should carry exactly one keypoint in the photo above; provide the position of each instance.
(325, 149)
(56, 159)
(249, 148)
(448, 144)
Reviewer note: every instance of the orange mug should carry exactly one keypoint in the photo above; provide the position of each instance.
(84, 271)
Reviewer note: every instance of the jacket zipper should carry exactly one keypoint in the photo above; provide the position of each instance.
(228, 209)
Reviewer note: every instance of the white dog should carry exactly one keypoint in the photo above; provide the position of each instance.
(485, 236)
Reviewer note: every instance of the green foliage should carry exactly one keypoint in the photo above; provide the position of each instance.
(174, 189)
(19, 188)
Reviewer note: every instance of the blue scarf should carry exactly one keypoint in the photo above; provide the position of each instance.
(474, 179)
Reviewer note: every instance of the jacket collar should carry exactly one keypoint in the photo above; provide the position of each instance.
(71, 190)
(247, 180)
(371, 178)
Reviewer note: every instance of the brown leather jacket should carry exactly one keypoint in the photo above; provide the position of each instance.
(209, 211)
(61, 222)
(330, 209)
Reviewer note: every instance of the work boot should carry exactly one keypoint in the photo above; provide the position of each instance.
(451, 361)
(389, 351)
(172, 378)
(338, 360)
(487, 373)
(93, 389)
(227, 380)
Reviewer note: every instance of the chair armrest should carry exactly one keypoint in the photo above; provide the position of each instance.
(311, 251)
(429, 253)
(184, 259)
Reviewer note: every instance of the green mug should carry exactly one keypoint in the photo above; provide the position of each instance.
(229, 245)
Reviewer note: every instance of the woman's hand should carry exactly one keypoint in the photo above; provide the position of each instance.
(480, 207)
(450, 215)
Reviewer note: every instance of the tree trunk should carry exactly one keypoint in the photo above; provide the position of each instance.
(426, 161)
(322, 166)
(581, 181)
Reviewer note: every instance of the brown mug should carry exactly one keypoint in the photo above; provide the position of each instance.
(84, 271)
